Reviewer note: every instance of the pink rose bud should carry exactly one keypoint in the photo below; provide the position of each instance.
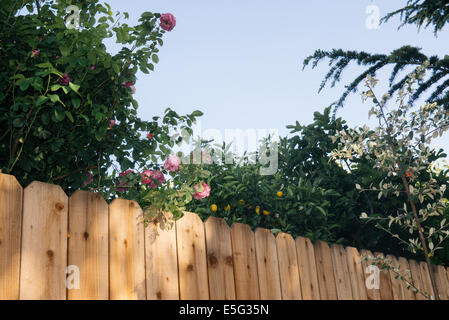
(172, 163)
(34, 53)
(201, 194)
(149, 135)
(167, 21)
(112, 123)
(92, 67)
(65, 80)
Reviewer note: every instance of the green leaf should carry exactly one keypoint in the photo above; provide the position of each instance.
(155, 58)
(69, 115)
(76, 102)
(55, 87)
(74, 87)
(53, 97)
(59, 115)
(45, 65)
(64, 51)
(41, 100)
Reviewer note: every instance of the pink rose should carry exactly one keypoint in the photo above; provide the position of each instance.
(167, 21)
(149, 177)
(129, 84)
(65, 80)
(125, 173)
(90, 180)
(34, 53)
(149, 135)
(92, 67)
(172, 163)
(201, 194)
(112, 123)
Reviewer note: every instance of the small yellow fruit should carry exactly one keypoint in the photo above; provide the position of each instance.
(242, 202)
(214, 208)
(258, 210)
(228, 207)
(266, 213)
(279, 194)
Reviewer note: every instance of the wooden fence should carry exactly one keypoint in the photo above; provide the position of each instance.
(48, 239)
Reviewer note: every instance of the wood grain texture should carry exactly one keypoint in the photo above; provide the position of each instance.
(267, 265)
(219, 259)
(396, 284)
(427, 284)
(441, 282)
(89, 245)
(408, 294)
(307, 269)
(245, 265)
(385, 289)
(11, 194)
(417, 278)
(288, 267)
(44, 242)
(372, 294)
(325, 272)
(126, 251)
(356, 274)
(161, 258)
(193, 282)
(341, 272)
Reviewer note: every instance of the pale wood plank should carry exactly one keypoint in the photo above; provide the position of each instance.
(288, 267)
(396, 284)
(193, 282)
(44, 242)
(161, 260)
(427, 283)
(11, 194)
(385, 289)
(219, 259)
(407, 293)
(267, 265)
(325, 272)
(372, 294)
(245, 265)
(307, 269)
(417, 278)
(356, 274)
(341, 272)
(126, 251)
(89, 245)
(441, 282)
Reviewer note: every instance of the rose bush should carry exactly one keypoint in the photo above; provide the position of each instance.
(67, 111)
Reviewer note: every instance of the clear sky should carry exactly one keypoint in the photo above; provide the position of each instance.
(240, 61)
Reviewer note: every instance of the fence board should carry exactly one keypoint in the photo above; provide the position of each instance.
(267, 265)
(88, 245)
(127, 252)
(325, 272)
(356, 274)
(307, 269)
(408, 293)
(245, 265)
(341, 272)
(10, 233)
(219, 259)
(417, 278)
(44, 242)
(425, 276)
(161, 258)
(372, 294)
(396, 284)
(385, 289)
(288, 267)
(441, 282)
(193, 282)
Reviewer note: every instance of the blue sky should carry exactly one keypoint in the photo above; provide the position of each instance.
(240, 61)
